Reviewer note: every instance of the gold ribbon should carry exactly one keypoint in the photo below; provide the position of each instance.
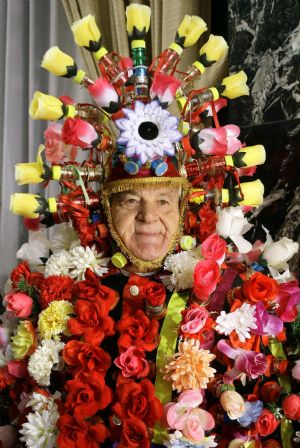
(166, 348)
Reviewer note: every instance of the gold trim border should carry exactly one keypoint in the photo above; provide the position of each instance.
(148, 182)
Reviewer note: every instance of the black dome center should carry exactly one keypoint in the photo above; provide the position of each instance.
(148, 130)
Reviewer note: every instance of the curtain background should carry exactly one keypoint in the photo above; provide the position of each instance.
(29, 28)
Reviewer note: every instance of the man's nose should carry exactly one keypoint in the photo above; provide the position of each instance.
(147, 212)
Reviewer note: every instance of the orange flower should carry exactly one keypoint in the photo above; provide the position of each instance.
(189, 368)
(260, 288)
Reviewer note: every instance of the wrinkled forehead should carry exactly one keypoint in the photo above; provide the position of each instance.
(169, 193)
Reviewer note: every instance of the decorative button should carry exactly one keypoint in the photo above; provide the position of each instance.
(134, 290)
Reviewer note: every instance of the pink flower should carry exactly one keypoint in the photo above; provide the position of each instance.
(78, 132)
(219, 141)
(288, 299)
(246, 361)
(194, 319)
(164, 88)
(132, 362)
(214, 248)
(18, 303)
(105, 95)
(196, 422)
(206, 277)
(8, 436)
(55, 149)
(265, 322)
(18, 369)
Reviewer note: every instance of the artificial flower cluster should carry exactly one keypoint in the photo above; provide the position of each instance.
(233, 374)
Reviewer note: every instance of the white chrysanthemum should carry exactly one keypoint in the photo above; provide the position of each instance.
(82, 258)
(58, 264)
(182, 266)
(40, 430)
(42, 361)
(64, 237)
(148, 131)
(241, 320)
(39, 402)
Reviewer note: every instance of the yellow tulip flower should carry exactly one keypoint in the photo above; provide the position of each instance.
(59, 63)
(86, 33)
(45, 107)
(215, 48)
(138, 17)
(27, 204)
(234, 85)
(253, 193)
(251, 155)
(31, 173)
(190, 30)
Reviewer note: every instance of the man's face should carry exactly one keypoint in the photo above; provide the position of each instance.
(146, 220)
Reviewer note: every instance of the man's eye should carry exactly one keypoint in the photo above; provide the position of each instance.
(131, 202)
(163, 202)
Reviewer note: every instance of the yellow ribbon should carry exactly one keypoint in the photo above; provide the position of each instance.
(166, 348)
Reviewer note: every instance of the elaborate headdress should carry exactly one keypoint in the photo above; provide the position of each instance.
(133, 140)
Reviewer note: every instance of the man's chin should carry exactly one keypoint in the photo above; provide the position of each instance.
(149, 252)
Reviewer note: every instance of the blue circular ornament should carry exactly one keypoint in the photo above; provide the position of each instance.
(131, 167)
(159, 167)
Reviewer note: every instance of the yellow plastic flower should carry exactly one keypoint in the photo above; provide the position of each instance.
(235, 85)
(24, 341)
(215, 48)
(45, 107)
(190, 30)
(53, 320)
(252, 155)
(58, 62)
(86, 33)
(138, 16)
(30, 173)
(189, 368)
(26, 204)
(253, 193)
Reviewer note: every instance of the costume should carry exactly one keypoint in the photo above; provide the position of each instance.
(184, 350)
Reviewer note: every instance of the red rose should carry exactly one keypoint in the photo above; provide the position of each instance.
(85, 359)
(22, 271)
(56, 287)
(133, 364)
(139, 331)
(76, 433)
(91, 289)
(270, 391)
(78, 132)
(260, 288)
(138, 400)
(206, 276)
(214, 248)
(85, 398)
(134, 434)
(208, 221)
(155, 293)
(291, 407)
(91, 322)
(266, 423)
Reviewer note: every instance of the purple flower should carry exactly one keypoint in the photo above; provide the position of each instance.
(265, 322)
(252, 412)
(246, 361)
